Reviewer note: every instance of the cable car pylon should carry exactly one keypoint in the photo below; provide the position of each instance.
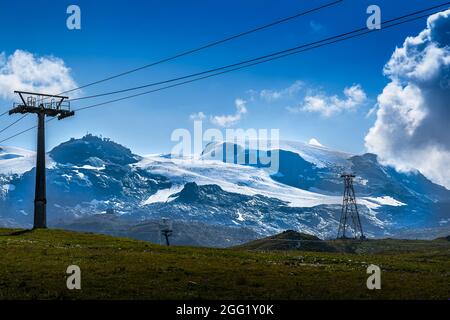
(38, 103)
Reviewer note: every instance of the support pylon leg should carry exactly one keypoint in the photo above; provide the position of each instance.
(40, 200)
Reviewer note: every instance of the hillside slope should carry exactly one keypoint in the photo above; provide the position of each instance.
(292, 240)
(33, 266)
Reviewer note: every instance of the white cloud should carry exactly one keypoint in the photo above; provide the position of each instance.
(315, 142)
(372, 111)
(26, 72)
(413, 116)
(229, 120)
(328, 106)
(197, 116)
(272, 95)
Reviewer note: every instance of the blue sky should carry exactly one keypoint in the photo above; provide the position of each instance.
(120, 35)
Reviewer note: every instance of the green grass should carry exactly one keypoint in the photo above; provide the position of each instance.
(33, 265)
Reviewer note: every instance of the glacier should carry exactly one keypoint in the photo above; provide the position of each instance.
(91, 177)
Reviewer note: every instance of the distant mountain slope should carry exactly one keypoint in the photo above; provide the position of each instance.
(189, 233)
(421, 200)
(316, 155)
(93, 175)
(291, 240)
(16, 160)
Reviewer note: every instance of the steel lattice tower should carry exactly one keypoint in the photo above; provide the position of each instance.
(349, 216)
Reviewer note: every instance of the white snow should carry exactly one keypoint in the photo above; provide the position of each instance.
(384, 201)
(232, 178)
(315, 142)
(89, 167)
(372, 216)
(163, 195)
(68, 178)
(240, 216)
(18, 161)
(242, 180)
(8, 187)
(80, 174)
(363, 182)
(319, 155)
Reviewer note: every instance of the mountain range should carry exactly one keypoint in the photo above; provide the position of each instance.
(97, 185)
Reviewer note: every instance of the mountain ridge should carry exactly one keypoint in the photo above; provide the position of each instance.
(91, 175)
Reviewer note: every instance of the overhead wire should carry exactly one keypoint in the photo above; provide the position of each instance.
(251, 60)
(209, 45)
(288, 52)
(321, 43)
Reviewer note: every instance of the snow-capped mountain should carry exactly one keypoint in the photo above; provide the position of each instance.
(90, 176)
(16, 160)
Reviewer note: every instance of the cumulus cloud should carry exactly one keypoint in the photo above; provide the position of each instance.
(231, 119)
(27, 72)
(272, 95)
(328, 106)
(197, 116)
(411, 130)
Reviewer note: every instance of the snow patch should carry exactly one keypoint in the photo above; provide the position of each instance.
(240, 216)
(384, 201)
(89, 167)
(8, 187)
(163, 195)
(319, 155)
(18, 161)
(232, 178)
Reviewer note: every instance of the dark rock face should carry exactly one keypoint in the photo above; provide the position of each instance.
(294, 235)
(92, 150)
